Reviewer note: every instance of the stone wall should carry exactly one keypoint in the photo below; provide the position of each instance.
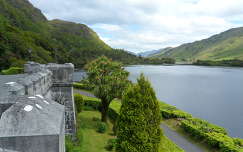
(46, 143)
(62, 91)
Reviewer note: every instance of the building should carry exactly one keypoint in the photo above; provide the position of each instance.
(37, 108)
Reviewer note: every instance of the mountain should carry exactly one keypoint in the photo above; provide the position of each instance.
(148, 53)
(227, 45)
(160, 51)
(153, 52)
(26, 34)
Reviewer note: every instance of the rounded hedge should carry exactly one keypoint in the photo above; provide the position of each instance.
(101, 127)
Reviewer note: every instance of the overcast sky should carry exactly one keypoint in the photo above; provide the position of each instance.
(142, 25)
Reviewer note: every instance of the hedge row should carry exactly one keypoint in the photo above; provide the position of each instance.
(12, 70)
(223, 142)
(81, 86)
(214, 136)
(201, 126)
(169, 112)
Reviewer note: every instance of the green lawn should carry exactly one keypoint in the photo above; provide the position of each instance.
(89, 140)
(168, 146)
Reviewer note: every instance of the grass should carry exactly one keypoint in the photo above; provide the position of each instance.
(168, 146)
(88, 139)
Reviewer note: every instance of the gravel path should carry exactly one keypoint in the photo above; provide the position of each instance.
(182, 141)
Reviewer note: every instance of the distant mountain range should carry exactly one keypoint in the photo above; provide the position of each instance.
(26, 34)
(153, 52)
(227, 45)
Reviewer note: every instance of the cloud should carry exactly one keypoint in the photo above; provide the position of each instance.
(140, 25)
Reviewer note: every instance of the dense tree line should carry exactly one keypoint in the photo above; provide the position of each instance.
(235, 63)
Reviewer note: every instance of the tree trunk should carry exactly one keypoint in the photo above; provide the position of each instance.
(104, 111)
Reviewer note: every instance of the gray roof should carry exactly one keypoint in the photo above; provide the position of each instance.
(32, 116)
(6, 150)
(6, 79)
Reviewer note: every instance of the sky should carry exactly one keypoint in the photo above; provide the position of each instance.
(144, 25)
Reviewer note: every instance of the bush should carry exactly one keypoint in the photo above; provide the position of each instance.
(138, 127)
(202, 126)
(214, 136)
(169, 112)
(12, 70)
(79, 102)
(96, 119)
(101, 127)
(111, 144)
(81, 86)
(238, 141)
(92, 104)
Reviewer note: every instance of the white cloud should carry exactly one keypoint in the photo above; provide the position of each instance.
(108, 27)
(139, 25)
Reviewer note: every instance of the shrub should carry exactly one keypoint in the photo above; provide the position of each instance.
(202, 126)
(92, 104)
(69, 144)
(81, 86)
(223, 142)
(96, 119)
(12, 70)
(139, 119)
(169, 112)
(238, 141)
(214, 136)
(79, 102)
(101, 127)
(111, 144)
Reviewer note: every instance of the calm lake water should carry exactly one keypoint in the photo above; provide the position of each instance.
(212, 93)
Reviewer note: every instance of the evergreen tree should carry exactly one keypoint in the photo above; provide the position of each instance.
(139, 121)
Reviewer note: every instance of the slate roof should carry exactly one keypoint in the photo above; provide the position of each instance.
(6, 150)
(32, 116)
(7, 79)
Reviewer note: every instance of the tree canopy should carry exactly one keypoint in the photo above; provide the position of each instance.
(108, 80)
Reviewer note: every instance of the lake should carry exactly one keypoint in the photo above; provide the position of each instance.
(211, 93)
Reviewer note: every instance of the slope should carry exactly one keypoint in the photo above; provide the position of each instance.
(226, 45)
(26, 34)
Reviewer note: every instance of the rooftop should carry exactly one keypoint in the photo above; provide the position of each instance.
(8, 79)
(32, 116)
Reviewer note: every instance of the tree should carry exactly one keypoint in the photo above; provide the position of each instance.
(108, 80)
(139, 120)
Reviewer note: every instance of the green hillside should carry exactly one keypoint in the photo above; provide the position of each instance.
(26, 34)
(224, 46)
